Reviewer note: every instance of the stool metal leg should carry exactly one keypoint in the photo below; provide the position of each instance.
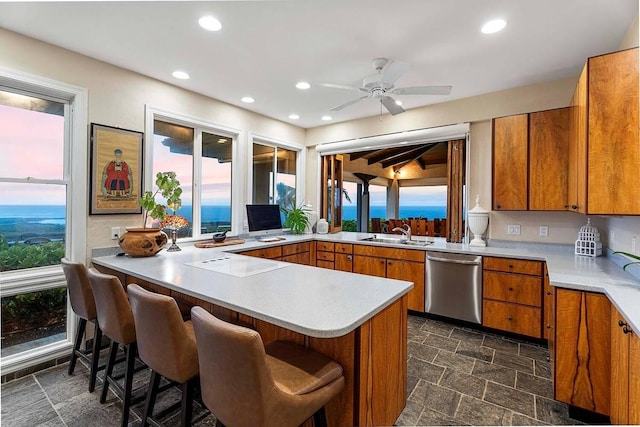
(128, 382)
(320, 418)
(95, 356)
(152, 393)
(82, 324)
(109, 370)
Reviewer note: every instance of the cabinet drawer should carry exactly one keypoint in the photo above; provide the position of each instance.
(324, 264)
(515, 288)
(295, 248)
(275, 252)
(301, 258)
(325, 246)
(325, 256)
(344, 262)
(392, 253)
(511, 265)
(515, 318)
(344, 248)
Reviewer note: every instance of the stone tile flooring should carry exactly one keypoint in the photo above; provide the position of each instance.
(456, 376)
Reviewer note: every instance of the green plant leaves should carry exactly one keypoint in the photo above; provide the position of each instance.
(169, 188)
(629, 255)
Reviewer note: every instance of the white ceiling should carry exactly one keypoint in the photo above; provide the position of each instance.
(265, 47)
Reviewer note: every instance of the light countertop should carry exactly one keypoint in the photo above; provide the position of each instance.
(326, 303)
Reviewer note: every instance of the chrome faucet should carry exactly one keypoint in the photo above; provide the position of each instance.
(405, 230)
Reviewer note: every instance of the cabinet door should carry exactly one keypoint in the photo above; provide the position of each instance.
(344, 262)
(577, 179)
(619, 412)
(613, 149)
(412, 272)
(370, 265)
(583, 350)
(549, 311)
(634, 378)
(548, 159)
(510, 151)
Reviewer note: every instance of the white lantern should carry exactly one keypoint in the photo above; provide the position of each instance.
(478, 219)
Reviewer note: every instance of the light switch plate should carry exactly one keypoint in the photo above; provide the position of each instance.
(544, 230)
(513, 229)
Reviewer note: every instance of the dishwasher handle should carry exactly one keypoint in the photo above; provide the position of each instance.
(452, 261)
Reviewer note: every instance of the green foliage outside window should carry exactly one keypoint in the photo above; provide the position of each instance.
(21, 256)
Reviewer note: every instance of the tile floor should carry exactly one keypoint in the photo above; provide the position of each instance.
(456, 376)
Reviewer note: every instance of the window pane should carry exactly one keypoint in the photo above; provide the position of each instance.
(31, 137)
(173, 152)
(216, 183)
(31, 235)
(33, 320)
(349, 208)
(423, 202)
(286, 178)
(263, 174)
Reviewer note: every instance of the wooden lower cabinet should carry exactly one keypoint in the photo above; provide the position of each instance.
(625, 378)
(344, 262)
(296, 253)
(371, 266)
(515, 318)
(583, 350)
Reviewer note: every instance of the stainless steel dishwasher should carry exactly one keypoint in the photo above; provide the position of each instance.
(454, 286)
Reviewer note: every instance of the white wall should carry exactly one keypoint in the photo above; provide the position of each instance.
(117, 97)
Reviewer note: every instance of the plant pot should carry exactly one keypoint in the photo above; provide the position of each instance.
(142, 242)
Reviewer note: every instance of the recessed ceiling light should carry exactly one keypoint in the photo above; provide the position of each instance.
(493, 26)
(180, 75)
(248, 99)
(294, 116)
(398, 102)
(210, 23)
(222, 141)
(303, 85)
(326, 118)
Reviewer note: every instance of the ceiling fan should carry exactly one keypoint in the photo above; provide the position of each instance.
(381, 85)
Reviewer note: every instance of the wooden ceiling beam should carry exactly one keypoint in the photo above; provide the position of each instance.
(385, 154)
(407, 156)
(360, 154)
(421, 163)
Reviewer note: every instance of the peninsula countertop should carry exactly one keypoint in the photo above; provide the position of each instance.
(312, 301)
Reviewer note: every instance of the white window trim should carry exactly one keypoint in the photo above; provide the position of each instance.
(301, 151)
(76, 179)
(237, 168)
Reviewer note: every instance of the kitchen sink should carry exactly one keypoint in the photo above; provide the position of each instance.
(396, 241)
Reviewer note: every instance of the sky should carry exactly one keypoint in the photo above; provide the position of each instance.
(409, 196)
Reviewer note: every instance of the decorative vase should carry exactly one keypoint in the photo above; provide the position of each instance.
(142, 242)
(478, 218)
(174, 247)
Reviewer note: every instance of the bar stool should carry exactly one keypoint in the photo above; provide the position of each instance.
(116, 319)
(166, 344)
(84, 306)
(245, 384)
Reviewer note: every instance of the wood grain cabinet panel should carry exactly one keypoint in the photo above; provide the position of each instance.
(634, 379)
(510, 152)
(515, 318)
(625, 378)
(577, 167)
(548, 330)
(269, 253)
(515, 288)
(413, 272)
(325, 256)
(344, 262)
(510, 265)
(344, 248)
(548, 159)
(325, 246)
(371, 266)
(303, 258)
(583, 350)
(296, 248)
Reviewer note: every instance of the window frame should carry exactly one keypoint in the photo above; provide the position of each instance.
(74, 178)
(199, 125)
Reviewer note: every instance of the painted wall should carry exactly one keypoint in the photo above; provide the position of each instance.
(117, 97)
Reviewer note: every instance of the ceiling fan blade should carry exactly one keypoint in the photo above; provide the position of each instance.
(346, 104)
(390, 104)
(346, 87)
(392, 71)
(422, 90)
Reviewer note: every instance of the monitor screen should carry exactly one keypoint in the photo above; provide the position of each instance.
(264, 219)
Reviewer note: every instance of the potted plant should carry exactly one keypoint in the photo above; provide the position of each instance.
(144, 241)
(296, 219)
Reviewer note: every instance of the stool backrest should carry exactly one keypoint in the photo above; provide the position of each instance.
(79, 287)
(235, 379)
(114, 312)
(165, 343)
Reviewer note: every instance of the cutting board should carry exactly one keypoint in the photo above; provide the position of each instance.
(212, 244)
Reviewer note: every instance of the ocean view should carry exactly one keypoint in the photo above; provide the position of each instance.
(48, 214)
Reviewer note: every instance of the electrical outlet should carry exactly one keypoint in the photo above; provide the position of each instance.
(633, 245)
(544, 230)
(115, 233)
(513, 229)
(612, 237)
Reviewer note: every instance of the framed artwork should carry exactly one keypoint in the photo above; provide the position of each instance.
(116, 170)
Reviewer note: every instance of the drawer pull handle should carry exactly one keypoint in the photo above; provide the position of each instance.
(510, 289)
(625, 327)
(549, 293)
(549, 326)
(509, 318)
(349, 257)
(510, 266)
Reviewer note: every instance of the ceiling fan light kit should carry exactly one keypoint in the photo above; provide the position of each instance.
(381, 86)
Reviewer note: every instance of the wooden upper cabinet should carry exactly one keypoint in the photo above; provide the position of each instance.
(510, 160)
(577, 162)
(548, 159)
(613, 153)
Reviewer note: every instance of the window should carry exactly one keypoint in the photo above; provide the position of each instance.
(202, 160)
(423, 202)
(42, 152)
(274, 175)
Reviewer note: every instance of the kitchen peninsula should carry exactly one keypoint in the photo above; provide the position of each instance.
(360, 321)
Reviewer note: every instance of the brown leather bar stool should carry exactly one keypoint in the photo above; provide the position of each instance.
(245, 384)
(166, 344)
(84, 305)
(116, 320)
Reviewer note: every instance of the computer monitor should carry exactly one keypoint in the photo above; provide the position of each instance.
(264, 220)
